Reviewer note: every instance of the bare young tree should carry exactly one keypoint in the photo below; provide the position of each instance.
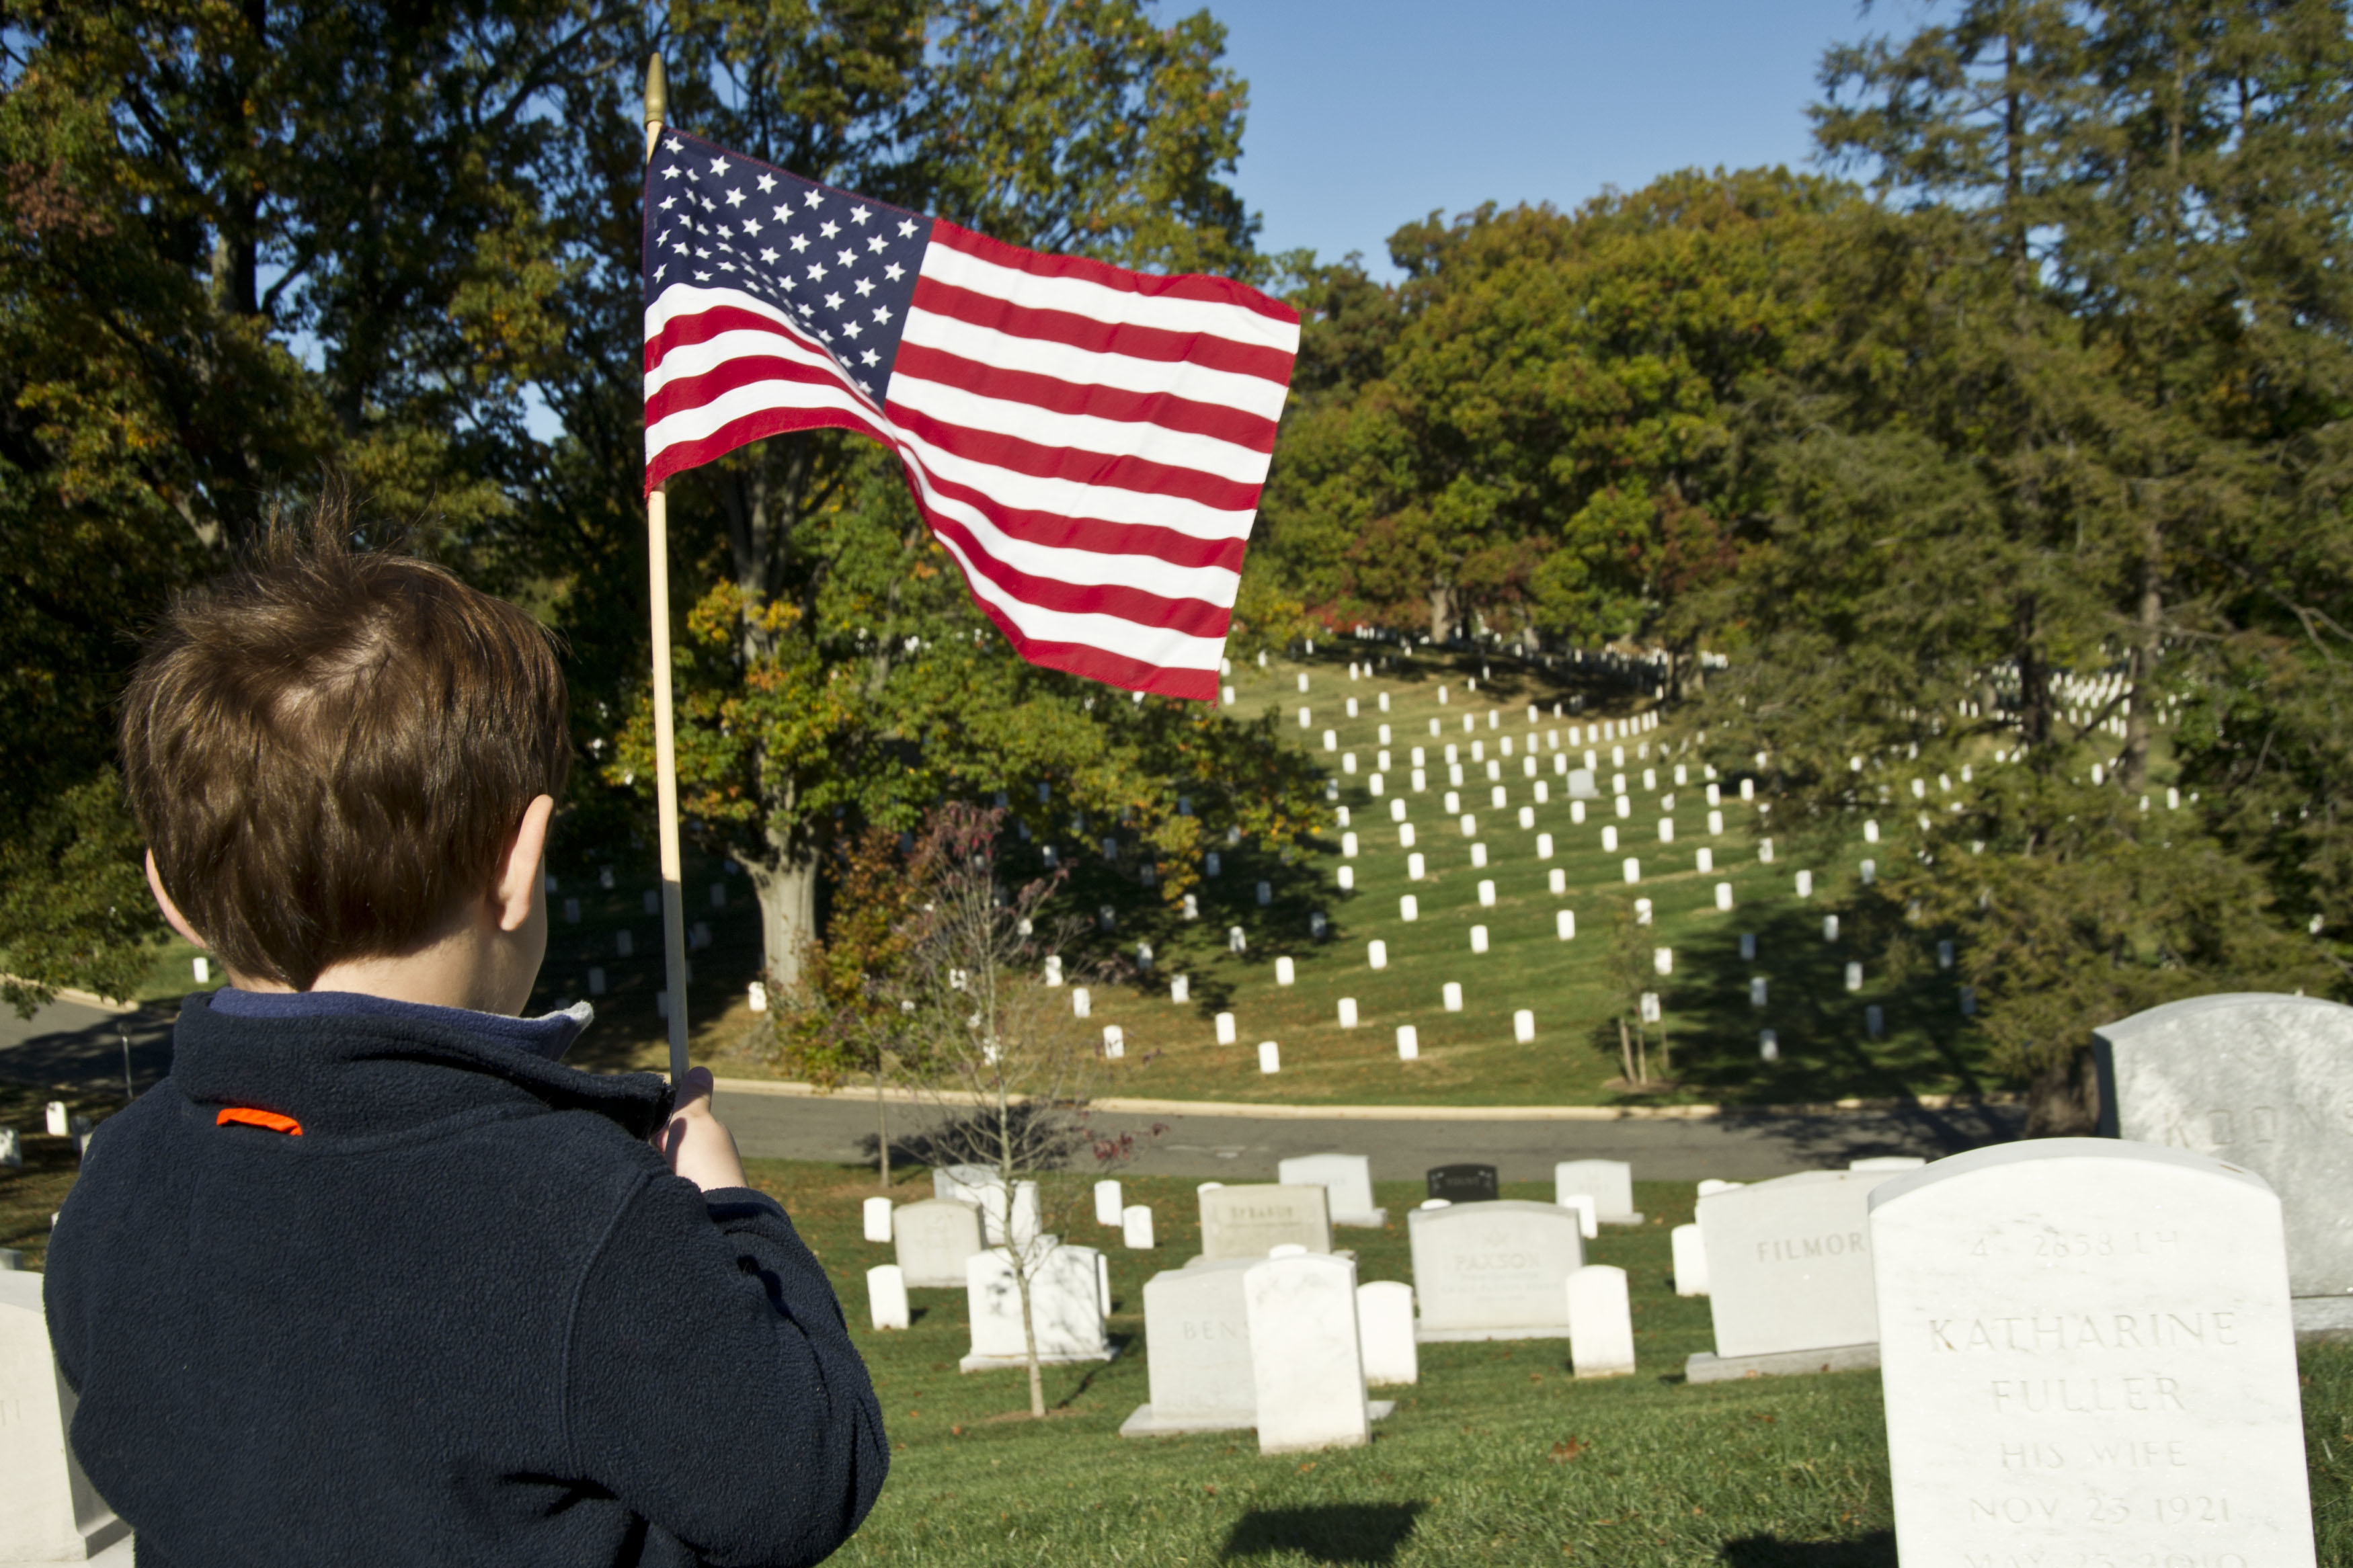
(1009, 1071)
(842, 1019)
(1634, 988)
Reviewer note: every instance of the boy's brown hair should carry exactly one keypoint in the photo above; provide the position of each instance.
(328, 749)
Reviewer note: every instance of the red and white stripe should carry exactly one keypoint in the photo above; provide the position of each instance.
(1088, 442)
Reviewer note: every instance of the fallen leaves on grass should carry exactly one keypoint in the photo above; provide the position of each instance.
(1567, 1449)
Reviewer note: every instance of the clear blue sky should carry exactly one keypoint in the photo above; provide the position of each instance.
(1366, 114)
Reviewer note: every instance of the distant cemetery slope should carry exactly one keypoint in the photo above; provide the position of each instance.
(1575, 990)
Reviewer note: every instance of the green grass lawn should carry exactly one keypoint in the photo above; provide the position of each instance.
(1498, 1456)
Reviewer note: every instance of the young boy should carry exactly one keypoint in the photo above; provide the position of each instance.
(370, 1277)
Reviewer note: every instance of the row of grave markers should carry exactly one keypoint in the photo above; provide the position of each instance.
(1564, 920)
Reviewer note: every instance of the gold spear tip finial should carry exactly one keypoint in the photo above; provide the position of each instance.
(656, 93)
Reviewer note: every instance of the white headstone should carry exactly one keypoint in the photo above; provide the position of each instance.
(1887, 1163)
(1690, 1260)
(1244, 1220)
(1610, 1183)
(1108, 1205)
(1135, 1227)
(1788, 1265)
(1347, 1182)
(1307, 1362)
(1493, 1271)
(932, 1239)
(2088, 1356)
(1600, 1322)
(1225, 1023)
(1196, 1351)
(1270, 1057)
(2262, 1081)
(964, 1184)
(1384, 1328)
(878, 1220)
(886, 1296)
(1065, 1305)
(56, 1119)
(52, 1513)
(1589, 1225)
(935, 1240)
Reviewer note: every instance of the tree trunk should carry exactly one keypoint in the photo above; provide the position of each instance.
(2033, 683)
(1008, 1169)
(2062, 1100)
(881, 1129)
(1028, 1321)
(1626, 1050)
(1442, 614)
(2132, 766)
(788, 890)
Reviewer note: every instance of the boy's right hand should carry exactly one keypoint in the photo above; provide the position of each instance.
(696, 1144)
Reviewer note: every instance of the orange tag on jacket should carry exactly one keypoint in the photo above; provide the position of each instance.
(252, 1118)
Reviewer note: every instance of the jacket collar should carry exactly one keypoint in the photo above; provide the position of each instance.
(362, 1074)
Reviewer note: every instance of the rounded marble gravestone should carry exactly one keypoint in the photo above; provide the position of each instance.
(2088, 1356)
(2264, 1081)
(1307, 1362)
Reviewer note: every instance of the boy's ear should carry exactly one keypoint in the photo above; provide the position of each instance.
(171, 915)
(518, 884)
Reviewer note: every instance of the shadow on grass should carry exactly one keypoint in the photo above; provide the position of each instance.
(1120, 1344)
(1876, 1549)
(1336, 1532)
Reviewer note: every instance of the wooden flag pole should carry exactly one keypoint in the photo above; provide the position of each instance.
(674, 890)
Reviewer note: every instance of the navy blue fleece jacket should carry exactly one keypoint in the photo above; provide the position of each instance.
(468, 1316)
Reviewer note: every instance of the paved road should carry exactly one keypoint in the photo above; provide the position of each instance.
(1744, 1148)
(70, 1045)
(67, 1046)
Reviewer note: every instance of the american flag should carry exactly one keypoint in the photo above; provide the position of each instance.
(1088, 442)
